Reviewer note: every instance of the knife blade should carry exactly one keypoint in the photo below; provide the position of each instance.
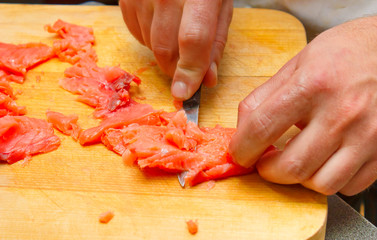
(191, 108)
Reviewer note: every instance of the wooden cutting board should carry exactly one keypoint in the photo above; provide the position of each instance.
(60, 195)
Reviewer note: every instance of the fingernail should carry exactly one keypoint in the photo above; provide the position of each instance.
(214, 69)
(180, 90)
(212, 82)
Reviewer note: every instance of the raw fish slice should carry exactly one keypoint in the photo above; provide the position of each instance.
(156, 147)
(7, 104)
(105, 89)
(137, 113)
(22, 137)
(65, 124)
(15, 60)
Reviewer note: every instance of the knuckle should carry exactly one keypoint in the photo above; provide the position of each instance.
(261, 128)
(296, 170)
(348, 111)
(328, 190)
(194, 37)
(259, 124)
(195, 71)
(308, 86)
(219, 44)
(247, 105)
(319, 81)
(165, 53)
(302, 90)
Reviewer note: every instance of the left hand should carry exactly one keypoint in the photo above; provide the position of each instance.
(329, 90)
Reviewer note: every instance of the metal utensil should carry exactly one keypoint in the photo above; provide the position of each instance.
(191, 108)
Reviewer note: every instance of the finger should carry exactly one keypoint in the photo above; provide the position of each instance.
(145, 17)
(164, 35)
(130, 18)
(302, 157)
(363, 179)
(196, 35)
(262, 126)
(211, 76)
(225, 17)
(260, 94)
(349, 170)
(337, 171)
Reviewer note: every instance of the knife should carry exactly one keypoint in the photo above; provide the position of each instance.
(191, 108)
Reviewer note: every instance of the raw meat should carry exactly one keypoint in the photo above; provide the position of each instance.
(22, 137)
(192, 226)
(176, 147)
(65, 124)
(135, 113)
(15, 60)
(76, 43)
(105, 89)
(151, 138)
(106, 217)
(7, 104)
(10, 77)
(69, 31)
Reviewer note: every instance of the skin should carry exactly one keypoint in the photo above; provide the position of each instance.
(329, 90)
(187, 37)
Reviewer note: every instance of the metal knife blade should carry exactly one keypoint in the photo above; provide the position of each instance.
(191, 108)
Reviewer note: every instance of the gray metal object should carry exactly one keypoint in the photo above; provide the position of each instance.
(191, 108)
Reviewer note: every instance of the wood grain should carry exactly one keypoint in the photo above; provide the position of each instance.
(60, 195)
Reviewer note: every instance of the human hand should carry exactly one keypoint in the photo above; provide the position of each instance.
(187, 37)
(329, 90)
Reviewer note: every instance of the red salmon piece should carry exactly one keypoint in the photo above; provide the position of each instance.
(176, 147)
(128, 157)
(15, 60)
(22, 137)
(73, 52)
(106, 217)
(192, 226)
(135, 113)
(105, 89)
(7, 104)
(65, 124)
(10, 77)
(76, 43)
(71, 31)
(6, 89)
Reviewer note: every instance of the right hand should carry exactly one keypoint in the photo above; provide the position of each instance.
(187, 37)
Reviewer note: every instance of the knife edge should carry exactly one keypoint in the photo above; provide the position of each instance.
(191, 108)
